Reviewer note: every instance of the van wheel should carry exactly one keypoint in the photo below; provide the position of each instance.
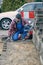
(5, 22)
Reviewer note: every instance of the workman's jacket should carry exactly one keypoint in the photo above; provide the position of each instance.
(13, 27)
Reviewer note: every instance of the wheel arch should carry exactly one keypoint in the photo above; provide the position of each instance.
(5, 18)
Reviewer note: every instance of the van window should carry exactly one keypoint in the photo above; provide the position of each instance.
(28, 7)
(39, 5)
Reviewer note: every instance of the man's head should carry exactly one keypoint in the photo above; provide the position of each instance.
(18, 17)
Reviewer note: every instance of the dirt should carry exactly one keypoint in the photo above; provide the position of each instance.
(1, 47)
(20, 53)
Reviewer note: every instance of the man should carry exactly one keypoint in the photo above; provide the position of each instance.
(16, 30)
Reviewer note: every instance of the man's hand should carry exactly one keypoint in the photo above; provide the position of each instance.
(19, 36)
(9, 38)
(26, 24)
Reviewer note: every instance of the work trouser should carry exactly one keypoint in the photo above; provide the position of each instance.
(15, 36)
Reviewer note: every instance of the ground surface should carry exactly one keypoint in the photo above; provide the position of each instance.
(19, 53)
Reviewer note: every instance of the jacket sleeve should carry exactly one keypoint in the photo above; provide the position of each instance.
(12, 28)
(25, 22)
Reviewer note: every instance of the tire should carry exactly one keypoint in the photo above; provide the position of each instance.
(5, 22)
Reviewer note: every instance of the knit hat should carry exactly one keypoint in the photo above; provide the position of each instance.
(18, 16)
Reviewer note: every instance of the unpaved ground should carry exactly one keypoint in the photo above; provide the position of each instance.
(1, 46)
(20, 53)
(3, 32)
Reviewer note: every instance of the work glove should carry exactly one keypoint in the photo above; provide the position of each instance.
(9, 38)
(26, 24)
